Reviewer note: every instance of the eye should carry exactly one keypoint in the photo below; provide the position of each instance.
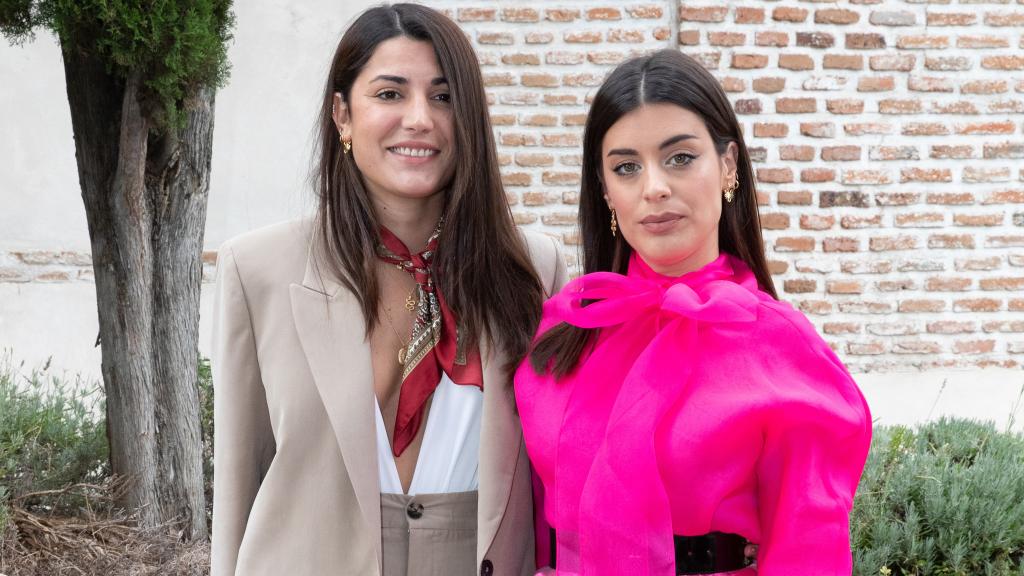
(443, 97)
(388, 94)
(626, 168)
(681, 159)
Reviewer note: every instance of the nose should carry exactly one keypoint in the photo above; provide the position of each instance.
(656, 186)
(418, 114)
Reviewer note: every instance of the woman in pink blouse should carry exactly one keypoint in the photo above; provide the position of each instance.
(674, 410)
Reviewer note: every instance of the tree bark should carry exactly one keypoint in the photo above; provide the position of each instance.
(145, 200)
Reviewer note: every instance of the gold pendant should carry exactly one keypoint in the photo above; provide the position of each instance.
(401, 356)
(410, 303)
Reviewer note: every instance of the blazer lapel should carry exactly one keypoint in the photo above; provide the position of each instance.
(332, 330)
(500, 439)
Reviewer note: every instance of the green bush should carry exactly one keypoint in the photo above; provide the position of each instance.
(206, 425)
(52, 433)
(944, 499)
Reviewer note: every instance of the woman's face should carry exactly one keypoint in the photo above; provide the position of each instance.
(664, 179)
(399, 121)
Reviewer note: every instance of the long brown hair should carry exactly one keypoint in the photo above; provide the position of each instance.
(481, 265)
(666, 76)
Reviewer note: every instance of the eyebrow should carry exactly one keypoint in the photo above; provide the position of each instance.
(670, 141)
(402, 80)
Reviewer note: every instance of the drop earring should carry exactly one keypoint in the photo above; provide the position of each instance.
(615, 224)
(730, 191)
(346, 145)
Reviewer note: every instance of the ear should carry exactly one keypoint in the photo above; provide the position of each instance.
(341, 116)
(729, 162)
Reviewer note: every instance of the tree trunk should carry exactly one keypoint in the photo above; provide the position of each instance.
(145, 200)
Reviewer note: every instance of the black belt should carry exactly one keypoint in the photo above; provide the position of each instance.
(706, 554)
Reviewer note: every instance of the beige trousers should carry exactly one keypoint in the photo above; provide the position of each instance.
(429, 534)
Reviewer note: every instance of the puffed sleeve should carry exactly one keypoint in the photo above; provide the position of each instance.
(243, 438)
(816, 442)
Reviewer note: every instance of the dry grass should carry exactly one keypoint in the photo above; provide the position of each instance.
(96, 541)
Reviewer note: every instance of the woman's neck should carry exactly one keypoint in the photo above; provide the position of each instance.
(412, 220)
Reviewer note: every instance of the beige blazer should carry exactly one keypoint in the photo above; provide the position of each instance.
(296, 488)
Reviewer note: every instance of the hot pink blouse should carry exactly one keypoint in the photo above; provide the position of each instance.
(704, 405)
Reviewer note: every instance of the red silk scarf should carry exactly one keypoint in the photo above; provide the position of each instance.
(436, 344)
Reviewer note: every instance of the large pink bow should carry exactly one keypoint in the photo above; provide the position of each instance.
(618, 517)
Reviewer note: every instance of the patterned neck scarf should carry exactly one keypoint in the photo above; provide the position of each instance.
(436, 345)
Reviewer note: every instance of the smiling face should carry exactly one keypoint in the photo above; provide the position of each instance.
(399, 121)
(664, 179)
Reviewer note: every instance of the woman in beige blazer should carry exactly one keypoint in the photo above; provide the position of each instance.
(412, 277)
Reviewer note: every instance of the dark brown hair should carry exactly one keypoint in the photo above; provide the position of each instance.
(481, 264)
(666, 76)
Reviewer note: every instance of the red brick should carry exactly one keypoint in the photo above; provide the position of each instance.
(892, 62)
(977, 305)
(845, 106)
(539, 37)
(796, 153)
(520, 15)
(842, 62)
(745, 15)
(929, 84)
(582, 37)
(795, 62)
(896, 106)
(1008, 284)
(1003, 62)
(835, 16)
(775, 221)
(1008, 150)
(942, 284)
(769, 85)
(550, 178)
(867, 129)
(818, 129)
(645, 12)
(951, 241)
(795, 105)
(960, 152)
(703, 13)
(789, 14)
(800, 286)
(888, 153)
(539, 81)
(531, 159)
(815, 40)
(1000, 19)
(795, 198)
(730, 39)
(563, 57)
(817, 221)
(794, 244)
(912, 306)
(925, 129)
(840, 153)
(1004, 327)
(982, 42)
(891, 243)
(866, 266)
(539, 198)
(971, 347)
(774, 39)
(516, 179)
(867, 177)
(897, 198)
(812, 175)
(975, 174)
(926, 175)
(816, 307)
(559, 219)
(765, 130)
(844, 287)
(839, 328)
(495, 38)
(620, 35)
(749, 61)
(865, 348)
(915, 347)
(1005, 197)
(560, 99)
(561, 14)
(947, 63)
(922, 42)
(876, 84)
(892, 329)
(1007, 127)
(951, 18)
(477, 14)
(689, 37)
(840, 244)
(777, 267)
(920, 220)
(860, 222)
(864, 41)
(774, 175)
(604, 13)
(974, 264)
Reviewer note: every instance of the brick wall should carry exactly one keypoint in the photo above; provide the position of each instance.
(886, 136)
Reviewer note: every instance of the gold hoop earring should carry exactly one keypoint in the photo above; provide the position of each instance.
(615, 224)
(346, 145)
(730, 190)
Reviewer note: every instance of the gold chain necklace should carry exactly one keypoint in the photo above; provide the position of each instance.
(405, 346)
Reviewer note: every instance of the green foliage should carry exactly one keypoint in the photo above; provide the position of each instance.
(52, 433)
(945, 499)
(177, 46)
(206, 425)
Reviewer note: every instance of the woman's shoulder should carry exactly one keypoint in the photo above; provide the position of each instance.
(547, 257)
(277, 250)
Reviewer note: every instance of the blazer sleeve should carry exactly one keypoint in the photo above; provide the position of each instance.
(816, 440)
(243, 438)
(561, 274)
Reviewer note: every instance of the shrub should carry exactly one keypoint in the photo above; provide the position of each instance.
(52, 433)
(946, 498)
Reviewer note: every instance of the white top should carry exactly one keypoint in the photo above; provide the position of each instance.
(449, 458)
